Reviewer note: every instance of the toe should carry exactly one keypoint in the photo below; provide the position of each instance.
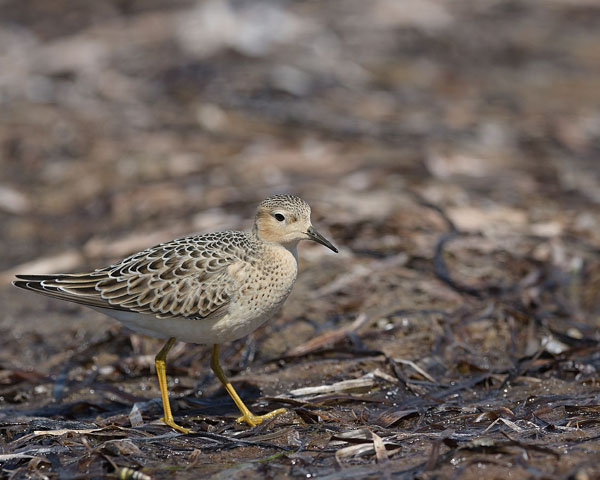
(254, 420)
(179, 428)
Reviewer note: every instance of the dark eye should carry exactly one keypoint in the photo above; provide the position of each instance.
(279, 217)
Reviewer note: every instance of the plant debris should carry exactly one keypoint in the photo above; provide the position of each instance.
(450, 149)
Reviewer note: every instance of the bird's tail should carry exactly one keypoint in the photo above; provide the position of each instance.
(72, 287)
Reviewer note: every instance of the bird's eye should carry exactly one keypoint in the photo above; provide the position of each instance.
(279, 217)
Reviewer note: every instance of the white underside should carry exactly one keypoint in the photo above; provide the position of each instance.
(202, 331)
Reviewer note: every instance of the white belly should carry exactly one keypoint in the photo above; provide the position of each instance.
(202, 331)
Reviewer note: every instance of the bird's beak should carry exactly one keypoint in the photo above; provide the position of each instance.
(317, 237)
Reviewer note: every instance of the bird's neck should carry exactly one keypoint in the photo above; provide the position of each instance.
(291, 247)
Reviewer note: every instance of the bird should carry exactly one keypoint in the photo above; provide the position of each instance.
(206, 289)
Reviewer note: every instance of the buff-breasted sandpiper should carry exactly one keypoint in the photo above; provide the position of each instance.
(206, 289)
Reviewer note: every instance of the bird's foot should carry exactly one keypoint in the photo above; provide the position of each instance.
(171, 423)
(254, 420)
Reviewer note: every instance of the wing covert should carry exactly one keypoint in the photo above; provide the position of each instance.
(190, 277)
(171, 282)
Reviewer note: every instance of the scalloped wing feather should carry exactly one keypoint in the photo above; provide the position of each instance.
(190, 277)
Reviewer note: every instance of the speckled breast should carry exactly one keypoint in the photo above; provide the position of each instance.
(267, 285)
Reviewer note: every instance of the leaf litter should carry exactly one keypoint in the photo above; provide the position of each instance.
(456, 333)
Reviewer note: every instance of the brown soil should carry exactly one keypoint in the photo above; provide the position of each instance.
(450, 149)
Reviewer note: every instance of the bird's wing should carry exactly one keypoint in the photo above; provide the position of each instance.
(193, 277)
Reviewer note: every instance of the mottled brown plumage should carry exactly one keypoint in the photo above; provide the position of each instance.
(210, 288)
(187, 277)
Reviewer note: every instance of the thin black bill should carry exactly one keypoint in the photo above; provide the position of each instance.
(317, 237)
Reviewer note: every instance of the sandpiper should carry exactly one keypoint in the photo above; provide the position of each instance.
(206, 289)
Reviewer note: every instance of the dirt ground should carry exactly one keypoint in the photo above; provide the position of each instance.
(449, 149)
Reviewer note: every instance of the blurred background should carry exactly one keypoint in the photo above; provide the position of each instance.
(126, 116)
(125, 123)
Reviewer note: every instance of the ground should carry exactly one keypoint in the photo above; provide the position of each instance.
(449, 149)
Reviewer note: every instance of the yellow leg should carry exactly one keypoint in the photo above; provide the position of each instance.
(161, 372)
(247, 415)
